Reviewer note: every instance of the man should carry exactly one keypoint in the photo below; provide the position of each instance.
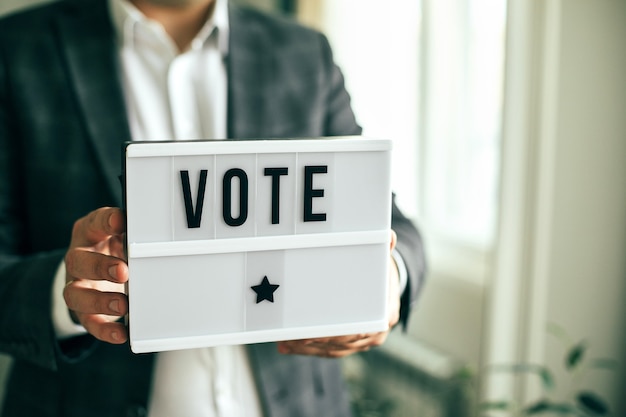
(78, 78)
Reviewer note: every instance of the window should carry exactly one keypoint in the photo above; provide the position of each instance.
(462, 64)
(429, 75)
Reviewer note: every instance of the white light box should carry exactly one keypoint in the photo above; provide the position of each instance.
(235, 242)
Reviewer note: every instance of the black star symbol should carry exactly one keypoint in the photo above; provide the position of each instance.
(265, 290)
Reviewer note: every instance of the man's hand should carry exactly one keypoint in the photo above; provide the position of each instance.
(339, 346)
(96, 271)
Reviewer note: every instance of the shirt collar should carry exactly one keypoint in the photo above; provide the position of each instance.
(125, 16)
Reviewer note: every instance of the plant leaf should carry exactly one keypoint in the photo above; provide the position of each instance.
(517, 367)
(495, 405)
(592, 403)
(540, 406)
(564, 408)
(558, 332)
(465, 374)
(547, 379)
(544, 406)
(544, 373)
(605, 363)
(575, 355)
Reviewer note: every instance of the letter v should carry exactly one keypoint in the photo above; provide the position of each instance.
(193, 216)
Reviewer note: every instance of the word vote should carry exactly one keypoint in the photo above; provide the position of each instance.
(194, 212)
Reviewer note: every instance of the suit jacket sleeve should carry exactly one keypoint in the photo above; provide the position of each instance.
(24, 311)
(41, 150)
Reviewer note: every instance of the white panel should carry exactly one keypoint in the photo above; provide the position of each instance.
(343, 288)
(360, 206)
(256, 244)
(148, 197)
(227, 277)
(186, 295)
(216, 147)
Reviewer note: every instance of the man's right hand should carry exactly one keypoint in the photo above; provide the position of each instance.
(96, 271)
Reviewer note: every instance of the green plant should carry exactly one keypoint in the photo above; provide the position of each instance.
(577, 363)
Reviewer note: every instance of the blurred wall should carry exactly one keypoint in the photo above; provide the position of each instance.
(588, 246)
(562, 242)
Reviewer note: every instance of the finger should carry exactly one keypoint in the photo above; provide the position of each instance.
(394, 240)
(116, 247)
(340, 345)
(332, 347)
(394, 294)
(82, 264)
(335, 340)
(394, 318)
(98, 226)
(104, 329)
(298, 348)
(321, 351)
(92, 301)
(338, 342)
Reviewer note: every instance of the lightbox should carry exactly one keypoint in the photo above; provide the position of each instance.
(235, 242)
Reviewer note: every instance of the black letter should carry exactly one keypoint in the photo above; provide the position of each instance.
(243, 197)
(309, 193)
(193, 219)
(275, 173)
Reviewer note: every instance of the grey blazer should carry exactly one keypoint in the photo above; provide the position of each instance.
(62, 123)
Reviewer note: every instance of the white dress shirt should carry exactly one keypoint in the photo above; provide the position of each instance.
(173, 95)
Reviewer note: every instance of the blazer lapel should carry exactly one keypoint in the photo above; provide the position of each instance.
(89, 41)
(90, 50)
(249, 69)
